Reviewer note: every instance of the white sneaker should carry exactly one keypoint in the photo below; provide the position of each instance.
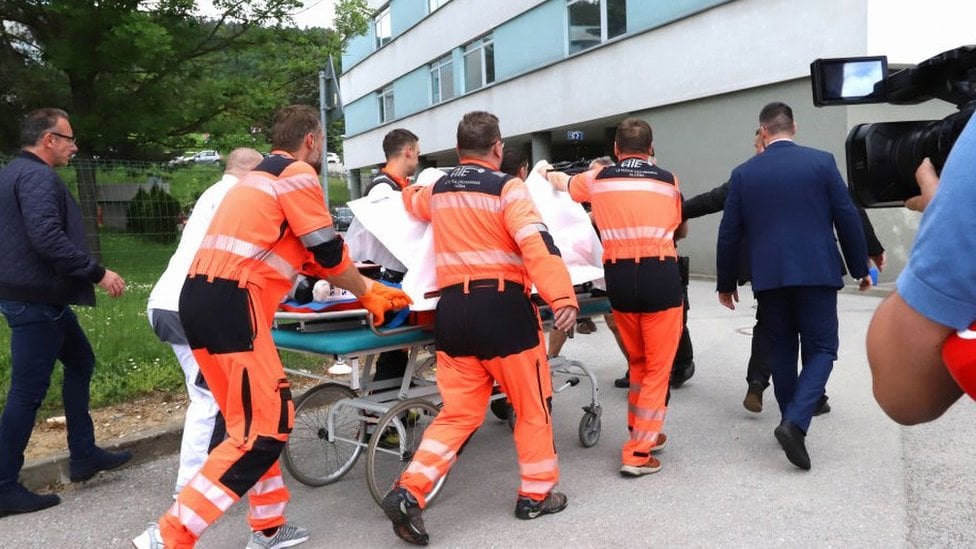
(286, 536)
(150, 539)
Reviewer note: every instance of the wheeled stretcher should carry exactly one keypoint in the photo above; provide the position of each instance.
(335, 422)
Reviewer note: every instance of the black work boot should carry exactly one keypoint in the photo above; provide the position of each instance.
(408, 524)
(98, 460)
(528, 508)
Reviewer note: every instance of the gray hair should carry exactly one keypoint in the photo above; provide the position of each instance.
(37, 123)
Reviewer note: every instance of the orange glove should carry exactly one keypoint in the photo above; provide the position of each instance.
(398, 297)
(376, 304)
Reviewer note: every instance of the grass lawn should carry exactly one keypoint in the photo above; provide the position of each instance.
(130, 360)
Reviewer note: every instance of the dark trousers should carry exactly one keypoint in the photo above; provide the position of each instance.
(800, 321)
(391, 364)
(758, 370)
(686, 352)
(40, 334)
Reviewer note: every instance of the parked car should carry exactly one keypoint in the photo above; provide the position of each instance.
(206, 157)
(341, 217)
(332, 158)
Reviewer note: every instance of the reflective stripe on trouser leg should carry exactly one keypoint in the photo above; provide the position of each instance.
(525, 379)
(651, 340)
(268, 498)
(259, 415)
(465, 388)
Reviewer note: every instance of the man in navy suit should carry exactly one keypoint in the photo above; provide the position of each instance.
(787, 202)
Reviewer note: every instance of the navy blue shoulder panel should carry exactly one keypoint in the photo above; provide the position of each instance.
(274, 164)
(473, 179)
(637, 169)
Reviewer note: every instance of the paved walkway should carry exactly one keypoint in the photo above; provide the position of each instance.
(725, 481)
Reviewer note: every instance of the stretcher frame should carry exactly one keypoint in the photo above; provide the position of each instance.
(386, 418)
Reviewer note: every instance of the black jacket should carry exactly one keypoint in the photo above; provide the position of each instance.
(44, 257)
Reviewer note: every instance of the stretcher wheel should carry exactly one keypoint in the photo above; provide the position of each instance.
(589, 429)
(394, 443)
(308, 454)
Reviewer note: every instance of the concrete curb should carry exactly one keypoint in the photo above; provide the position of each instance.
(52, 471)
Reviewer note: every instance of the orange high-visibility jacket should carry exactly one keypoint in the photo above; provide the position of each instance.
(487, 227)
(636, 205)
(271, 225)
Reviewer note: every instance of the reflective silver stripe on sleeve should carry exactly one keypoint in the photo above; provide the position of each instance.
(320, 236)
(529, 229)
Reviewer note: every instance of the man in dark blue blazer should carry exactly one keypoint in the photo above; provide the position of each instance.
(787, 202)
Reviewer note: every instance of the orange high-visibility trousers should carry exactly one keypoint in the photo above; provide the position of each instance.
(465, 384)
(254, 396)
(651, 340)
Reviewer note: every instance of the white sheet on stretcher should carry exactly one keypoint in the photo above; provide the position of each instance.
(411, 240)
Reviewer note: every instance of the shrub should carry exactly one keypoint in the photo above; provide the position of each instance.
(155, 215)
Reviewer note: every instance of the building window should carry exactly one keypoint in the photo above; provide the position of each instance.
(381, 24)
(441, 79)
(386, 104)
(592, 22)
(479, 63)
(432, 5)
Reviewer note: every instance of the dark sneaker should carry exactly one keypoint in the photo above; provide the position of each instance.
(528, 508)
(98, 460)
(680, 373)
(18, 499)
(622, 382)
(753, 401)
(652, 465)
(822, 407)
(401, 507)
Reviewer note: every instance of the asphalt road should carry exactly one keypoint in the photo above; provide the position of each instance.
(725, 482)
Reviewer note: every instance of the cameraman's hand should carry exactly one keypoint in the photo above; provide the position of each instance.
(928, 183)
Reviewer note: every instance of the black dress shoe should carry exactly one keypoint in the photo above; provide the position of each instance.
(17, 499)
(98, 460)
(822, 406)
(790, 437)
(680, 373)
(622, 382)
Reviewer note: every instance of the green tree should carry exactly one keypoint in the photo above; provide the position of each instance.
(140, 76)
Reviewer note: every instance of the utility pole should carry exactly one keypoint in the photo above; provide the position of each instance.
(324, 168)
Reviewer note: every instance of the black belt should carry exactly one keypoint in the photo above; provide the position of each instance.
(485, 284)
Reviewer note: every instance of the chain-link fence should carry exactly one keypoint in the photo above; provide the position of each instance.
(133, 212)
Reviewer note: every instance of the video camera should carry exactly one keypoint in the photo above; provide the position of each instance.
(882, 157)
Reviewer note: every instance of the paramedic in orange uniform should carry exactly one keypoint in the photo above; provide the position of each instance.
(637, 209)
(273, 223)
(490, 247)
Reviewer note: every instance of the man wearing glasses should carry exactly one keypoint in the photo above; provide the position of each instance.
(45, 266)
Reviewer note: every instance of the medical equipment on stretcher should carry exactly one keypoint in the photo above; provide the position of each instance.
(335, 422)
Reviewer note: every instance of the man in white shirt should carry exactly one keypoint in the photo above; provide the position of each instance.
(203, 427)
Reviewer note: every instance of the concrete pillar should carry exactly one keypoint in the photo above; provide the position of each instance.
(541, 147)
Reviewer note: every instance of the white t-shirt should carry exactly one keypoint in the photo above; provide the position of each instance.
(363, 246)
(166, 294)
